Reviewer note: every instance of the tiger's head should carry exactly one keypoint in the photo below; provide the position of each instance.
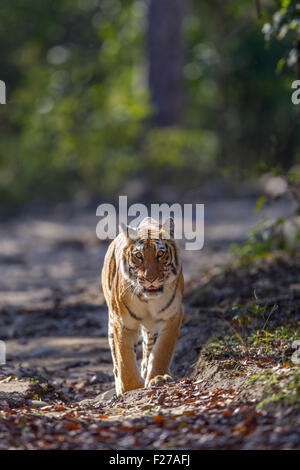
(150, 259)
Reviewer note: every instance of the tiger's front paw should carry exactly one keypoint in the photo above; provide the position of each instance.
(133, 385)
(159, 379)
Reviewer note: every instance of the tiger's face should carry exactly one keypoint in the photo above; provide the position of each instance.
(150, 263)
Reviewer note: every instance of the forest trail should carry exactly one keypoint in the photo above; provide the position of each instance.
(54, 389)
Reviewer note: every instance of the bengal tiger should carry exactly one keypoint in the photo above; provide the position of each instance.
(143, 286)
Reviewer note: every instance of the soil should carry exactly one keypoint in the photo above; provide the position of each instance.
(57, 388)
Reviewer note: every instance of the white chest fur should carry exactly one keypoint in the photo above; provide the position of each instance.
(148, 313)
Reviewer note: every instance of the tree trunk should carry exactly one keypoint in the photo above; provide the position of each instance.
(165, 60)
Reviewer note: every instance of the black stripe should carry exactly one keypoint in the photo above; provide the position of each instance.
(174, 263)
(171, 299)
(128, 329)
(111, 269)
(133, 314)
(174, 253)
(128, 262)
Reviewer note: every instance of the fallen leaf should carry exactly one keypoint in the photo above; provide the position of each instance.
(158, 419)
(71, 426)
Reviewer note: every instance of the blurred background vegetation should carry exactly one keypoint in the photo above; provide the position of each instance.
(104, 93)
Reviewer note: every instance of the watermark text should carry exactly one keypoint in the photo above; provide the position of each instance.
(188, 220)
(2, 92)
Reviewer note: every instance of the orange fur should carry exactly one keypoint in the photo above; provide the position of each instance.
(143, 286)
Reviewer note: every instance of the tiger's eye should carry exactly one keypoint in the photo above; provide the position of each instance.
(160, 253)
(139, 255)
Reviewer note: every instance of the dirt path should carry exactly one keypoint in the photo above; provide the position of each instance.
(53, 321)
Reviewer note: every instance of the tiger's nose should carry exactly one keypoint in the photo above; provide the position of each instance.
(150, 277)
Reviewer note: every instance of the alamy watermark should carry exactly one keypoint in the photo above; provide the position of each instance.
(188, 220)
(296, 93)
(296, 355)
(2, 352)
(2, 92)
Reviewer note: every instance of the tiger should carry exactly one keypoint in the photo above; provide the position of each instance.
(143, 286)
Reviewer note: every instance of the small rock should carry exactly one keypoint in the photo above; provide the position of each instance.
(105, 396)
(37, 403)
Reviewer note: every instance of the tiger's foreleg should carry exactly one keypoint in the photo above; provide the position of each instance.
(161, 356)
(148, 343)
(126, 372)
(113, 351)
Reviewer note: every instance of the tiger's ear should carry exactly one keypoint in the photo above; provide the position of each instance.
(167, 228)
(128, 232)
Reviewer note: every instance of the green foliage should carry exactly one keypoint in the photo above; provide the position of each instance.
(262, 239)
(284, 25)
(268, 339)
(188, 153)
(233, 89)
(267, 236)
(289, 388)
(78, 103)
(75, 104)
